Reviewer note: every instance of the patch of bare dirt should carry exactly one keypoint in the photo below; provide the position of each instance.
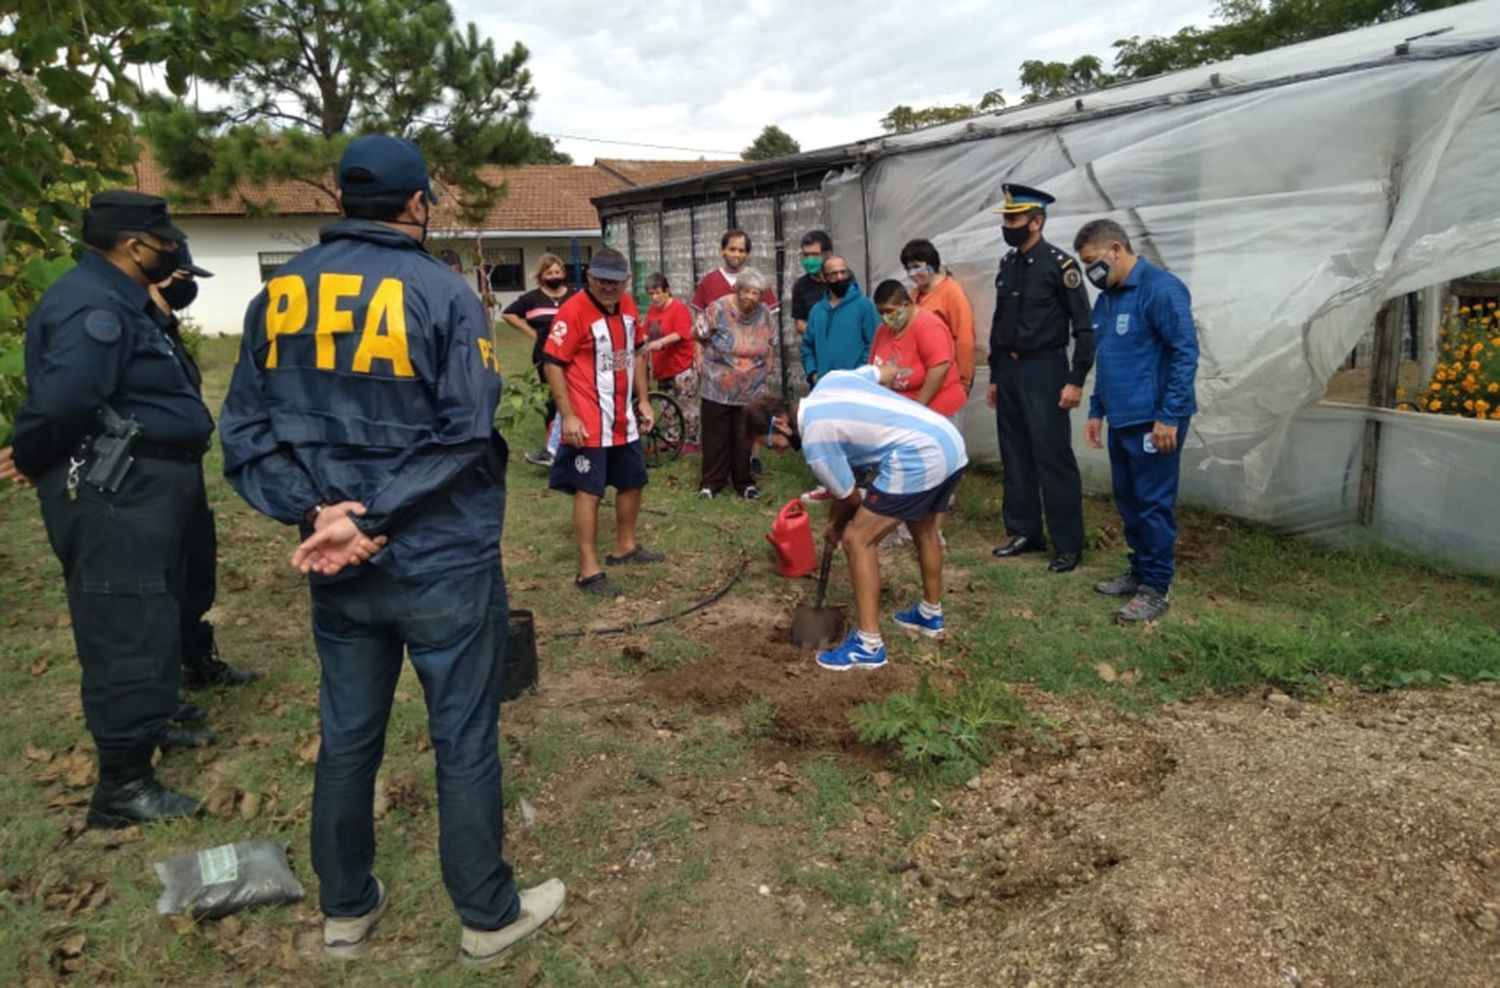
(755, 661)
(1245, 841)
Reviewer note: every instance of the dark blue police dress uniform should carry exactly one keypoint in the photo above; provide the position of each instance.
(94, 341)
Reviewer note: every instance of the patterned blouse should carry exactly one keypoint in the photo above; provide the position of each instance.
(737, 354)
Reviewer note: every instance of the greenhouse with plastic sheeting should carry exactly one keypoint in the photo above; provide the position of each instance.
(1321, 201)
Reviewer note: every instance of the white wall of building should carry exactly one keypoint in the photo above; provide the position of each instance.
(233, 248)
(230, 247)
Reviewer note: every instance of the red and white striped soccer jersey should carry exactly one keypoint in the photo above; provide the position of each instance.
(597, 353)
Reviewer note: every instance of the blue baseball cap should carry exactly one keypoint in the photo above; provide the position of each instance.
(379, 164)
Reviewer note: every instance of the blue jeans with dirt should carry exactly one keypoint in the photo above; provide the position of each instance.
(453, 627)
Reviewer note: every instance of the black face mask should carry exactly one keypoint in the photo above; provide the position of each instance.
(554, 283)
(167, 261)
(1015, 236)
(840, 288)
(1098, 274)
(179, 293)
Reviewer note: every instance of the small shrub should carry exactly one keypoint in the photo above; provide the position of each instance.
(951, 732)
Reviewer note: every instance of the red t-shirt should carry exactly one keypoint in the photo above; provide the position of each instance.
(597, 352)
(674, 358)
(924, 343)
(715, 285)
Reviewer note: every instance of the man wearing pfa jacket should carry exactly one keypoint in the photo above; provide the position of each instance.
(1143, 383)
(362, 409)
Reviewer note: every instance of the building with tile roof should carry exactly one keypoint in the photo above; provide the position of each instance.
(243, 237)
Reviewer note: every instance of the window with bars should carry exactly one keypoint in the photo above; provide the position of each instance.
(506, 267)
(271, 262)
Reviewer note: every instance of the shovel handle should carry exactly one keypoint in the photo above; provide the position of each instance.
(823, 571)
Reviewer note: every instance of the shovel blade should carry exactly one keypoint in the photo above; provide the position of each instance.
(815, 627)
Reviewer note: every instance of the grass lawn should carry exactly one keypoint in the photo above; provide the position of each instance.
(697, 783)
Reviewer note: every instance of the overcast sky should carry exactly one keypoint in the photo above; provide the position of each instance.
(709, 76)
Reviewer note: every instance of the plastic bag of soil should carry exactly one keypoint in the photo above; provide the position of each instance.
(221, 880)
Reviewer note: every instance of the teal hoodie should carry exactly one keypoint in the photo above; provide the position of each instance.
(839, 338)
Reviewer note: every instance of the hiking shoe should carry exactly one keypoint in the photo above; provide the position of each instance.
(819, 493)
(640, 554)
(143, 800)
(1124, 585)
(597, 585)
(1146, 605)
(851, 655)
(482, 948)
(347, 938)
(539, 457)
(706, 494)
(912, 620)
(751, 493)
(756, 467)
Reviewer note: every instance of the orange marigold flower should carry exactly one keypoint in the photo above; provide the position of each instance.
(1434, 405)
(1435, 386)
(1473, 365)
(1494, 387)
(1469, 406)
(1477, 349)
(1481, 406)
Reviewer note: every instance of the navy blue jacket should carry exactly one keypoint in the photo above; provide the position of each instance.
(367, 373)
(96, 338)
(1147, 350)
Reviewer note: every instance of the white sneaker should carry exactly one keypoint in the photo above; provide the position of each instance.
(482, 948)
(347, 938)
(706, 494)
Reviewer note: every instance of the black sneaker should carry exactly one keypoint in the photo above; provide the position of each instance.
(538, 457)
(751, 493)
(211, 671)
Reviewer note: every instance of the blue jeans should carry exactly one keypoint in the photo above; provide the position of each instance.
(1145, 488)
(454, 629)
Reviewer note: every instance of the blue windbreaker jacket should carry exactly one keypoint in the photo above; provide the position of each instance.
(1147, 350)
(367, 372)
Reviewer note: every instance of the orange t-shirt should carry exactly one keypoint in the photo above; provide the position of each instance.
(924, 343)
(949, 303)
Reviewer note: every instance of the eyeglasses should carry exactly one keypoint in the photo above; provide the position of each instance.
(834, 275)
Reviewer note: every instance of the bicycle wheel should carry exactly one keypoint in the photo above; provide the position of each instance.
(669, 432)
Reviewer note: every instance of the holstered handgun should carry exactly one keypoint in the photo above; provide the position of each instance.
(109, 458)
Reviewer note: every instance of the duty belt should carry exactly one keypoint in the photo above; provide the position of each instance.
(168, 451)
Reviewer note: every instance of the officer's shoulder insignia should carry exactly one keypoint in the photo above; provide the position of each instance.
(1072, 278)
(102, 326)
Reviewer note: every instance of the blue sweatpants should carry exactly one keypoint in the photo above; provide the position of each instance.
(1146, 495)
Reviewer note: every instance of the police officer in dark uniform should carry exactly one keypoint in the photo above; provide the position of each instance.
(201, 666)
(113, 432)
(1039, 295)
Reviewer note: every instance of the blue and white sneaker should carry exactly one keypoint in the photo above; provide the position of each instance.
(852, 655)
(912, 620)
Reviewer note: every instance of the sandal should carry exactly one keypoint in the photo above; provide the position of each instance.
(597, 585)
(640, 554)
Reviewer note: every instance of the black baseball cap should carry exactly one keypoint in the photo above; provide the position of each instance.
(185, 263)
(124, 211)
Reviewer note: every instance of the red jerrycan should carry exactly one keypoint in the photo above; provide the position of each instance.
(792, 538)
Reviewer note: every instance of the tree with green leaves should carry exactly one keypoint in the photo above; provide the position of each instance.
(1054, 80)
(303, 77)
(67, 90)
(772, 142)
(903, 118)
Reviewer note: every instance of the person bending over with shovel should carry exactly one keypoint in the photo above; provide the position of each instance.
(851, 421)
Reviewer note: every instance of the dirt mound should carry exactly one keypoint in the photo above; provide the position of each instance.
(1248, 841)
(755, 661)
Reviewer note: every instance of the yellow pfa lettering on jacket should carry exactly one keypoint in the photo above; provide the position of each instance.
(382, 337)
